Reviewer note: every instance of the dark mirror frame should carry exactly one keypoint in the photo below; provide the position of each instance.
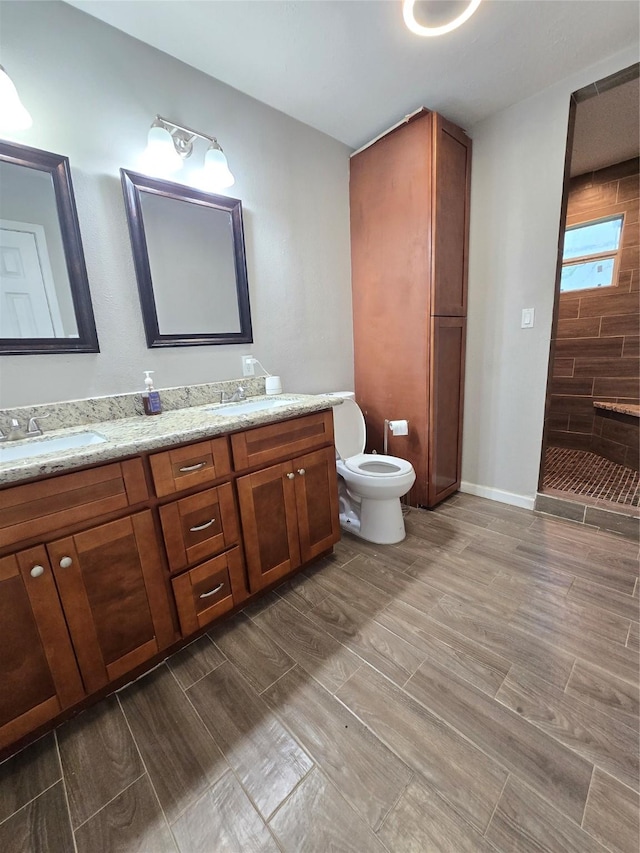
(58, 167)
(133, 184)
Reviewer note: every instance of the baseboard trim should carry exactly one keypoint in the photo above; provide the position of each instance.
(498, 495)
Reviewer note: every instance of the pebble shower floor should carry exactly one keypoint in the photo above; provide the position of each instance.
(584, 473)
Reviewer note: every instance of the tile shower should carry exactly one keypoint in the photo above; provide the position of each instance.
(592, 447)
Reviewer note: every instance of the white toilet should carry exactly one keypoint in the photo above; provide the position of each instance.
(370, 485)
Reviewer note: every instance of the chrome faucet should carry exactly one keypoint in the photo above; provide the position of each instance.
(238, 394)
(16, 432)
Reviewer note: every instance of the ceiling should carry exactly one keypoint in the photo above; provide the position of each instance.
(351, 68)
(607, 129)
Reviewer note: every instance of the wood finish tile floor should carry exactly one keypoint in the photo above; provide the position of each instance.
(474, 688)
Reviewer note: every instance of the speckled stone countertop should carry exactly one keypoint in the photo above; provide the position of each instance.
(621, 408)
(127, 436)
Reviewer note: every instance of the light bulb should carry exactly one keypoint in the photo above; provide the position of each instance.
(13, 115)
(419, 30)
(160, 156)
(216, 174)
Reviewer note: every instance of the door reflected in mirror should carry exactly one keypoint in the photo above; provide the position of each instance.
(45, 304)
(188, 248)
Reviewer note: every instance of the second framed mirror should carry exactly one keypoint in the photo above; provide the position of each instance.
(189, 256)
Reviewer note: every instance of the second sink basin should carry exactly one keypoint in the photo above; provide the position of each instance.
(38, 447)
(230, 409)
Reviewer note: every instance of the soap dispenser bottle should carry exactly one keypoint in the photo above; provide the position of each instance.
(150, 398)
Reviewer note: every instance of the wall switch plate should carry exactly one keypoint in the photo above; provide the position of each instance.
(248, 367)
(528, 316)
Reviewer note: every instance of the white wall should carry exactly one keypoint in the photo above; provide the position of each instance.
(93, 92)
(516, 192)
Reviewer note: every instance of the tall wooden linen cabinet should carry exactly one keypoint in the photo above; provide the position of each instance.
(409, 195)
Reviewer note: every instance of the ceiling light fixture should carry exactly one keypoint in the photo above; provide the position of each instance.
(170, 144)
(419, 30)
(13, 115)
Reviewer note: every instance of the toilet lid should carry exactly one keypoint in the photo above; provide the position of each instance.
(350, 432)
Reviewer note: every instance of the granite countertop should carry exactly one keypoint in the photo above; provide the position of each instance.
(622, 408)
(127, 436)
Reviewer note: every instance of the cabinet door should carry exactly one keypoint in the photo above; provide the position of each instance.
(445, 420)
(450, 187)
(269, 522)
(111, 583)
(39, 675)
(317, 502)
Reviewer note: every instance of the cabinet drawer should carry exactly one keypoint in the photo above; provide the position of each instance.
(193, 465)
(199, 526)
(204, 593)
(34, 510)
(263, 445)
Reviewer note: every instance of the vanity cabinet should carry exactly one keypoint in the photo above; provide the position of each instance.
(75, 614)
(101, 570)
(39, 673)
(79, 610)
(289, 515)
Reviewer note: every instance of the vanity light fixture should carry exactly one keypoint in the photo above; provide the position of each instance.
(168, 146)
(13, 115)
(419, 30)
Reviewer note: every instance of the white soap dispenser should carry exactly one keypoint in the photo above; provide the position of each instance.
(150, 398)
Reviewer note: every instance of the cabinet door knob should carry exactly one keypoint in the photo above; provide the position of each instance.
(301, 472)
(65, 562)
(36, 571)
(291, 476)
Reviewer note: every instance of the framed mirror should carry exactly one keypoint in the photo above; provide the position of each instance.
(45, 304)
(188, 251)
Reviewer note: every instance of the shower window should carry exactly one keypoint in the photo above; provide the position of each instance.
(590, 256)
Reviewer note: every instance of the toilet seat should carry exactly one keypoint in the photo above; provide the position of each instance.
(378, 465)
(350, 432)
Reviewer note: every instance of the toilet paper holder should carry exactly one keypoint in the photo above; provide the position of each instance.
(397, 428)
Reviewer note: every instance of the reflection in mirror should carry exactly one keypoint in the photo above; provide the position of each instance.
(45, 305)
(188, 248)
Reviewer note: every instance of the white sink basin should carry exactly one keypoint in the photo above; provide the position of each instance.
(259, 405)
(37, 447)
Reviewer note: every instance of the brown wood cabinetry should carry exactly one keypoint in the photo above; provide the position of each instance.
(86, 589)
(35, 510)
(199, 526)
(289, 515)
(283, 440)
(409, 195)
(39, 676)
(189, 466)
(206, 592)
(316, 502)
(110, 582)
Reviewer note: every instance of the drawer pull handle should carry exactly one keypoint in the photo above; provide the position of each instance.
(301, 471)
(212, 591)
(195, 467)
(202, 526)
(65, 562)
(37, 571)
(291, 476)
